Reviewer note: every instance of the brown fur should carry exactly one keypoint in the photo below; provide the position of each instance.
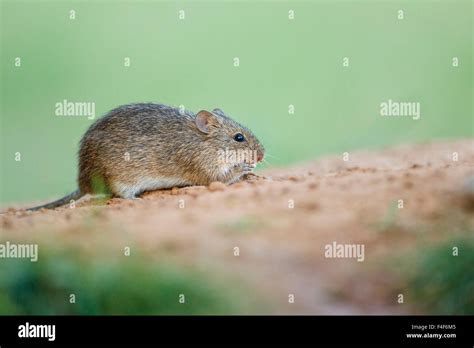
(163, 143)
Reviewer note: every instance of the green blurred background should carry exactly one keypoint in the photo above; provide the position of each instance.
(190, 62)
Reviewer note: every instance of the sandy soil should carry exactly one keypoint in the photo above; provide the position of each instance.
(282, 219)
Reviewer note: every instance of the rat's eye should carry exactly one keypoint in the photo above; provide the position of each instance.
(239, 137)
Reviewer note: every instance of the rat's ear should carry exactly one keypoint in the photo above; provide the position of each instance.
(203, 120)
(219, 112)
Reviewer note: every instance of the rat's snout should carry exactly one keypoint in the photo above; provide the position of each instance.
(260, 155)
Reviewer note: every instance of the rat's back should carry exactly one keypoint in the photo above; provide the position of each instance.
(140, 118)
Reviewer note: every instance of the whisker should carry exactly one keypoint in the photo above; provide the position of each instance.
(267, 154)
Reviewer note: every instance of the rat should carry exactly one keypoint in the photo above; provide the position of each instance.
(142, 147)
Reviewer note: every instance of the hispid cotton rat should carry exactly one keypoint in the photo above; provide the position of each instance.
(142, 147)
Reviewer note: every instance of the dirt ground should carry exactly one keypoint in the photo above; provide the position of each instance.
(281, 220)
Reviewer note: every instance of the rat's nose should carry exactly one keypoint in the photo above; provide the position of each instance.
(259, 156)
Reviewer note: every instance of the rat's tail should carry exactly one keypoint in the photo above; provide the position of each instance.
(66, 199)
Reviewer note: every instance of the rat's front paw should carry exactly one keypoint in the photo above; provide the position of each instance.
(247, 168)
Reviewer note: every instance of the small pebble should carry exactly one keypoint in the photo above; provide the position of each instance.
(217, 186)
(7, 223)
